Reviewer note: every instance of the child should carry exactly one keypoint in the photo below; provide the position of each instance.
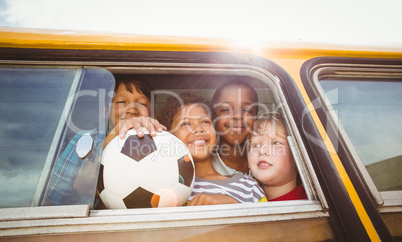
(190, 120)
(271, 161)
(73, 178)
(130, 109)
(236, 105)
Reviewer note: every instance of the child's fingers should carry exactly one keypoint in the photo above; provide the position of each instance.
(149, 125)
(209, 199)
(152, 125)
(132, 123)
(200, 199)
(136, 124)
(158, 126)
(193, 202)
(123, 129)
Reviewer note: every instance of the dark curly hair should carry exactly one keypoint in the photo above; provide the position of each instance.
(142, 86)
(176, 103)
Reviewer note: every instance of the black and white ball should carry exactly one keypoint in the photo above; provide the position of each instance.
(146, 172)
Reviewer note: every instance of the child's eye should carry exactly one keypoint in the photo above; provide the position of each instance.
(248, 110)
(142, 104)
(206, 122)
(224, 109)
(185, 124)
(120, 102)
(255, 149)
(276, 143)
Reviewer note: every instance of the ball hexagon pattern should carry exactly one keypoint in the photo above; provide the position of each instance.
(145, 172)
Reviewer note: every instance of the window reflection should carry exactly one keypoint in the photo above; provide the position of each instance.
(371, 114)
(31, 103)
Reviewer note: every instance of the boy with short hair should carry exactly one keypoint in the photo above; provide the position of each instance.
(73, 177)
(131, 108)
(236, 106)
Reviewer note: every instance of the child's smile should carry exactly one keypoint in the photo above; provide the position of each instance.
(235, 110)
(198, 141)
(193, 126)
(262, 164)
(235, 128)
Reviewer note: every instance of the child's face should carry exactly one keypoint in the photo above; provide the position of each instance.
(235, 111)
(193, 125)
(270, 159)
(126, 105)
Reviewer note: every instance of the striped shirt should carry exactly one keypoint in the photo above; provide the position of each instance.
(241, 187)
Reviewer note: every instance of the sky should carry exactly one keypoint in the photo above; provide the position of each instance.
(374, 23)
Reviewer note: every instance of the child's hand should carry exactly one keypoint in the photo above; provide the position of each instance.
(208, 199)
(152, 125)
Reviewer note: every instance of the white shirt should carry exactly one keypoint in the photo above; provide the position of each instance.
(221, 167)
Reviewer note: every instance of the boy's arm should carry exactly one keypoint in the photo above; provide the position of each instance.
(209, 199)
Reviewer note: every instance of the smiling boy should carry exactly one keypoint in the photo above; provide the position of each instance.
(236, 105)
(73, 177)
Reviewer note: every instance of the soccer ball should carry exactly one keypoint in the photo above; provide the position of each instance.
(146, 172)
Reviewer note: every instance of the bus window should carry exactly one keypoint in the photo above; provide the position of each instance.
(363, 100)
(37, 122)
(270, 100)
(90, 91)
(370, 111)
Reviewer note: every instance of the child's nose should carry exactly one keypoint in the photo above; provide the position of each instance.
(237, 114)
(132, 111)
(198, 128)
(265, 150)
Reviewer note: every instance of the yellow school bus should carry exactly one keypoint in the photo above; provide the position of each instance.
(342, 108)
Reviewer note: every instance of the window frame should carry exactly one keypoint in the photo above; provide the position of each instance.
(54, 145)
(46, 172)
(79, 219)
(355, 68)
(60, 131)
(305, 169)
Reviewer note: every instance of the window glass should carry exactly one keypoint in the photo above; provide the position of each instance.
(35, 104)
(76, 167)
(371, 114)
(31, 103)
